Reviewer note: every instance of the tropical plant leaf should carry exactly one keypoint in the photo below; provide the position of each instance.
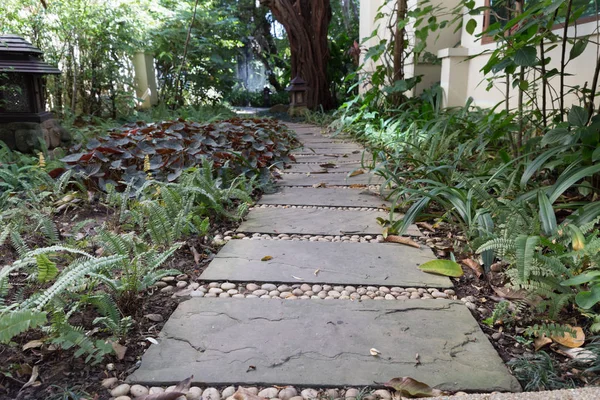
(442, 267)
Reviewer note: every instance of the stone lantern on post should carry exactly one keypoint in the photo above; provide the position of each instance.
(24, 121)
(298, 91)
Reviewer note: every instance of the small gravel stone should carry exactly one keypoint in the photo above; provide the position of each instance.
(284, 288)
(228, 391)
(195, 393)
(269, 393)
(215, 290)
(181, 284)
(372, 289)
(384, 289)
(160, 284)
(471, 306)
(194, 285)
(156, 389)
(305, 287)
(308, 394)
(138, 391)
(287, 393)
(390, 297)
(382, 394)
(297, 398)
(297, 292)
(273, 293)
(352, 393)
(332, 393)
(168, 279)
(322, 294)
(123, 398)
(317, 288)
(211, 394)
(259, 292)
(252, 287)
(253, 390)
(338, 288)
(238, 296)
(232, 291)
(361, 291)
(213, 285)
(334, 293)
(120, 390)
(109, 382)
(228, 286)
(197, 293)
(224, 295)
(496, 335)
(327, 288)
(268, 287)
(450, 292)
(285, 295)
(378, 298)
(350, 289)
(167, 289)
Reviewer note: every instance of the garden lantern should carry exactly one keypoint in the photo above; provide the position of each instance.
(298, 91)
(24, 120)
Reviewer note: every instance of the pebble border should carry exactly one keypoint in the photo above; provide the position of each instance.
(123, 391)
(380, 209)
(221, 239)
(182, 288)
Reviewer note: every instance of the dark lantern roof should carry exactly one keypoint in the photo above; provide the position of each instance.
(18, 55)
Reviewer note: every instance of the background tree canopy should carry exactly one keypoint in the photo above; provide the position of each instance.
(235, 48)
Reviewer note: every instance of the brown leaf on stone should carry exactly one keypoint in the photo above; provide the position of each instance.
(357, 185)
(319, 185)
(412, 388)
(357, 172)
(474, 265)
(568, 340)
(245, 394)
(402, 240)
(266, 258)
(541, 341)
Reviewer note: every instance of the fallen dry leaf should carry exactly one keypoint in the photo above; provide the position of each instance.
(402, 240)
(374, 352)
(509, 294)
(541, 341)
(152, 340)
(297, 278)
(425, 225)
(35, 372)
(356, 172)
(317, 272)
(184, 385)
(33, 344)
(266, 258)
(357, 185)
(577, 353)
(119, 349)
(245, 394)
(568, 340)
(474, 265)
(197, 256)
(411, 388)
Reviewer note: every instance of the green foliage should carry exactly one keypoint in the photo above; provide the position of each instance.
(539, 372)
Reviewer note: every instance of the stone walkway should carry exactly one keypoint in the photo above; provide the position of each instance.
(260, 318)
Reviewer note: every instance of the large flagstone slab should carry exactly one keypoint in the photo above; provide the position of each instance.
(336, 197)
(330, 166)
(325, 148)
(334, 179)
(313, 221)
(338, 157)
(307, 343)
(372, 264)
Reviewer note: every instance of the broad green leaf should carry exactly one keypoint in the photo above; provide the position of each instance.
(565, 182)
(578, 116)
(471, 25)
(596, 154)
(526, 56)
(578, 48)
(525, 252)
(536, 164)
(580, 279)
(547, 216)
(555, 135)
(588, 299)
(442, 267)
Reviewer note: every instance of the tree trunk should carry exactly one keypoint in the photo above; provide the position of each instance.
(306, 23)
(399, 47)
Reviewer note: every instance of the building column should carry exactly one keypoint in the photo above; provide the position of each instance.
(454, 76)
(145, 80)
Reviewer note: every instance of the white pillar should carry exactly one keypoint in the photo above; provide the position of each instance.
(145, 80)
(454, 76)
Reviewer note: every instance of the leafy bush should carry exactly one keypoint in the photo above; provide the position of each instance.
(164, 150)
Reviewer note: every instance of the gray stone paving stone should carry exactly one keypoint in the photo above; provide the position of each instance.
(316, 167)
(337, 197)
(334, 179)
(329, 147)
(334, 157)
(372, 264)
(323, 343)
(313, 221)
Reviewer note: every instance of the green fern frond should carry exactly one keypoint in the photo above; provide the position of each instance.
(46, 269)
(16, 322)
(549, 329)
